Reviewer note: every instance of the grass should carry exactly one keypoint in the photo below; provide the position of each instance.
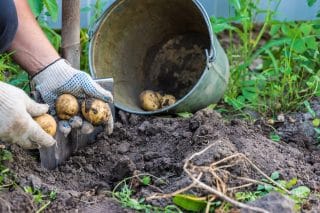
(124, 193)
(8, 181)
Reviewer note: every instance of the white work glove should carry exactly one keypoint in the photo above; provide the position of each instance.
(60, 78)
(16, 123)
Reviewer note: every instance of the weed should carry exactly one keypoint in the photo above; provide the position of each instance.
(275, 137)
(7, 179)
(125, 195)
(42, 200)
(286, 52)
(298, 194)
(315, 120)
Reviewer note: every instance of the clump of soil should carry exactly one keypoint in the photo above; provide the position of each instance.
(159, 146)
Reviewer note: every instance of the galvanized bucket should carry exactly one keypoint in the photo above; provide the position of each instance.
(162, 45)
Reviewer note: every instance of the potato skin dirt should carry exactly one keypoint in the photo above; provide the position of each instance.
(95, 111)
(159, 146)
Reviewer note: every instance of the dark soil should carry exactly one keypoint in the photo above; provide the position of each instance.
(175, 65)
(159, 146)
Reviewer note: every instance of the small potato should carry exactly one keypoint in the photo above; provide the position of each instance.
(159, 96)
(167, 100)
(149, 100)
(95, 111)
(67, 106)
(47, 123)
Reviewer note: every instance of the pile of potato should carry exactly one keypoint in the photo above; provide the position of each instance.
(94, 111)
(152, 101)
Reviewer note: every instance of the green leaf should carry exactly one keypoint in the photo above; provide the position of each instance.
(212, 106)
(52, 8)
(311, 2)
(185, 114)
(146, 180)
(275, 176)
(291, 183)
(316, 122)
(310, 110)
(311, 43)
(273, 136)
(299, 46)
(219, 27)
(274, 29)
(236, 4)
(36, 7)
(305, 28)
(301, 192)
(190, 202)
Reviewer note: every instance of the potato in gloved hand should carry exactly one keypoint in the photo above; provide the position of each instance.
(67, 106)
(98, 112)
(47, 123)
(16, 119)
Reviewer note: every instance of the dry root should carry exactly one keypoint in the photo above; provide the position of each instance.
(218, 186)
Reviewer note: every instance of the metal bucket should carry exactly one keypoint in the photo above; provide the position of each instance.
(162, 45)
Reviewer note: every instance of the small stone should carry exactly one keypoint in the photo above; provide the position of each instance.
(291, 119)
(123, 117)
(307, 116)
(90, 168)
(270, 121)
(145, 125)
(273, 202)
(35, 181)
(64, 127)
(281, 117)
(87, 128)
(124, 147)
(75, 122)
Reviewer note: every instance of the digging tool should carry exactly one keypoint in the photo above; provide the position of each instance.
(51, 157)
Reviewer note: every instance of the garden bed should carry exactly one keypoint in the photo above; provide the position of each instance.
(157, 146)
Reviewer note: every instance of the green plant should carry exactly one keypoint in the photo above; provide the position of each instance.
(96, 9)
(275, 137)
(298, 194)
(272, 74)
(7, 179)
(125, 195)
(38, 6)
(315, 120)
(43, 200)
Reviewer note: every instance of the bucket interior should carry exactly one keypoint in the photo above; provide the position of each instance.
(151, 44)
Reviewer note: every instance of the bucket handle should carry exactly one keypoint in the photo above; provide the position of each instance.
(213, 52)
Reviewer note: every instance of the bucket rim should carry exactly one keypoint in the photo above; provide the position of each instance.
(92, 32)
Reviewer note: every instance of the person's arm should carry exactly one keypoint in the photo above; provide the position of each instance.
(32, 50)
(53, 76)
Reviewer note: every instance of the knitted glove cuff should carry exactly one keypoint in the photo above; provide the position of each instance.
(6, 100)
(54, 75)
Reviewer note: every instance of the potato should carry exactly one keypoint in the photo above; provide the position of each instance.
(47, 123)
(167, 100)
(95, 111)
(159, 96)
(67, 106)
(149, 100)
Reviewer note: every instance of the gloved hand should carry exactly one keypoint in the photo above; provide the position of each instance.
(60, 78)
(16, 123)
